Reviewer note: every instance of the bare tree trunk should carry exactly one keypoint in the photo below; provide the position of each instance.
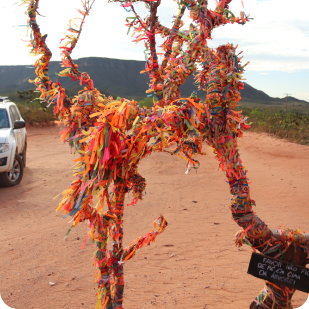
(117, 235)
(103, 273)
(110, 265)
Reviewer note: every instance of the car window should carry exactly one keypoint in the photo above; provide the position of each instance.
(15, 113)
(18, 113)
(4, 120)
(12, 115)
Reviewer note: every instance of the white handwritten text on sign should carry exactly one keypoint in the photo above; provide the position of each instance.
(277, 271)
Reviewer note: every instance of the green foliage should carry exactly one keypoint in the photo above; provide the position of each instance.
(293, 126)
(28, 95)
(257, 114)
(148, 102)
(31, 109)
(36, 114)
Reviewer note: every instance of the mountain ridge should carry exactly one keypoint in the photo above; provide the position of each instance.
(114, 77)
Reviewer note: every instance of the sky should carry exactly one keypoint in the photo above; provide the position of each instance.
(276, 41)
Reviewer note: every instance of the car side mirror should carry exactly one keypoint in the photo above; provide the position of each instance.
(19, 124)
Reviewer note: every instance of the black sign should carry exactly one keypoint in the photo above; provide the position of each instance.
(280, 272)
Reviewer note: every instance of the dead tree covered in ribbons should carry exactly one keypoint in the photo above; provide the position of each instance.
(97, 129)
(221, 79)
(110, 137)
(217, 122)
(182, 50)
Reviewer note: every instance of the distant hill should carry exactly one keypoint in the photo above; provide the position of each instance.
(250, 94)
(114, 76)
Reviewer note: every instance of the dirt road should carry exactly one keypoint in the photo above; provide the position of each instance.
(193, 264)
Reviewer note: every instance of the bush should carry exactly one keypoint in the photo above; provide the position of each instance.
(257, 114)
(148, 102)
(37, 114)
(292, 126)
(31, 109)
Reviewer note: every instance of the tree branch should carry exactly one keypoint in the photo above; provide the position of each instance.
(66, 51)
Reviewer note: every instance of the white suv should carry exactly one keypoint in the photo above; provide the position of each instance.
(13, 144)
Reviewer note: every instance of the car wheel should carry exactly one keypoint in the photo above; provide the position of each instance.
(24, 155)
(15, 175)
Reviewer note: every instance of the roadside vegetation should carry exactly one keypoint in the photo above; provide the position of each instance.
(148, 102)
(30, 107)
(36, 114)
(292, 124)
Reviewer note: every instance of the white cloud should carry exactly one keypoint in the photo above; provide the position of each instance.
(277, 38)
(104, 33)
(301, 95)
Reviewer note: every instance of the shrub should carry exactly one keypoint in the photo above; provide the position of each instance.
(292, 126)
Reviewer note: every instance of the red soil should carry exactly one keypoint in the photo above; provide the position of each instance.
(193, 264)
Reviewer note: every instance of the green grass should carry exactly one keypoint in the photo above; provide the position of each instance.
(293, 126)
